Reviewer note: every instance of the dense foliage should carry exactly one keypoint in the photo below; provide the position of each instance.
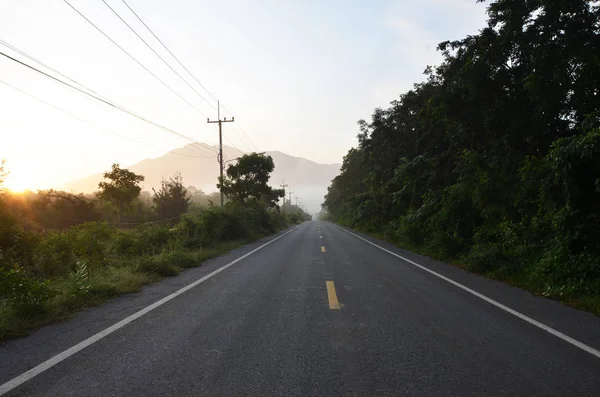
(494, 160)
(248, 179)
(60, 252)
(172, 199)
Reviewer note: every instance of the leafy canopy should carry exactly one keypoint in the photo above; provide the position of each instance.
(171, 200)
(123, 186)
(248, 180)
(494, 158)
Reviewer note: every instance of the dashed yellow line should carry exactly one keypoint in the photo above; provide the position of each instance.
(322, 249)
(333, 300)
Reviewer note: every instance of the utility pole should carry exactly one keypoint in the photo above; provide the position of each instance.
(283, 185)
(297, 200)
(290, 200)
(220, 155)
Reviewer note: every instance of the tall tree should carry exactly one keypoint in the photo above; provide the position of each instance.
(171, 200)
(123, 186)
(248, 180)
(494, 158)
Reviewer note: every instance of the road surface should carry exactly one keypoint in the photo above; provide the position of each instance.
(316, 312)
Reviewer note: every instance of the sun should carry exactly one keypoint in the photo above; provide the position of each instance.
(17, 184)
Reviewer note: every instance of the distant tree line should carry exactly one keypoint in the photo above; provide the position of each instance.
(494, 160)
(60, 252)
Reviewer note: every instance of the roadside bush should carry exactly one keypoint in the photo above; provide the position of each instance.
(16, 244)
(158, 264)
(25, 295)
(90, 241)
(54, 255)
(154, 238)
(126, 242)
(80, 279)
(182, 259)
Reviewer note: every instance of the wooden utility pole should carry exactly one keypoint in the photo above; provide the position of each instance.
(283, 185)
(220, 155)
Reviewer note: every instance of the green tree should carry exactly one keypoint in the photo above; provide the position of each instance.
(171, 200)
(493, 159)
(58, 210)
(122, 188)
(248, 180)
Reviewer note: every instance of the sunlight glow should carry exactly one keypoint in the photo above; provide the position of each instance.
(18, 182)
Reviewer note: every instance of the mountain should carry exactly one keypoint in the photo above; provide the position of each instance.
(306, 179)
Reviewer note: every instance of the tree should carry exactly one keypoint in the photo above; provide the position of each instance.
(59, 210)
(171, 200)
(122, 188)
(3, 175)
(493, 159)
(248, 180)
(3, 172)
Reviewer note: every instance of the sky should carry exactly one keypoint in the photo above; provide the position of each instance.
(297, 76)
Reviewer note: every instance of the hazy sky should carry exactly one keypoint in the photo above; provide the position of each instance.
(296, 75)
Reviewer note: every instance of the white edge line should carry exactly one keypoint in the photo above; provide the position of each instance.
(33, 372)
(499, 305)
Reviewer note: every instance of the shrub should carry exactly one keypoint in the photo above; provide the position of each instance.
(126, 243)
(80, 280)
(54, 255)
(90, 241)
(16, 244)
(25, 295)
(154, 238)
(158, 264)
(182, 259)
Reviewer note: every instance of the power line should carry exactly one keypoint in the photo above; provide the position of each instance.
(232, 144)
(241, 129)
(167, 48)
(134, 59)
(23, 53)
(32, 58)
(87, 121)
(157, 54)
(107, 102)
(183, 66)
(239, 136)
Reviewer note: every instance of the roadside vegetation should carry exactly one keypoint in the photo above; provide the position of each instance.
(493, 162)
(61, 252)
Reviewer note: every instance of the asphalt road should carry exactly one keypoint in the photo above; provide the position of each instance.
(318, 312)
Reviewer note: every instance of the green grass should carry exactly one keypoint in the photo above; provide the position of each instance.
(121, 277)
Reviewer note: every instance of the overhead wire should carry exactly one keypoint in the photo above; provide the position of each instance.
(231, 143)
(241, 129)
(84, 87)
(109, 103)
(87, 121)
(32, 58)
(156, 53)
(167, 48)
(201, 147)
(185, 68)
(134, 59)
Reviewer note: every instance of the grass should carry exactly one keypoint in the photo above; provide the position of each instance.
(122, 277)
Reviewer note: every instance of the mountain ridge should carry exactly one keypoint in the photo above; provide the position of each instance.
(307, 179)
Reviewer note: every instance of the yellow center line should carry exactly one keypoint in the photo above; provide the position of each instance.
(333, 300)
(322, 249)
